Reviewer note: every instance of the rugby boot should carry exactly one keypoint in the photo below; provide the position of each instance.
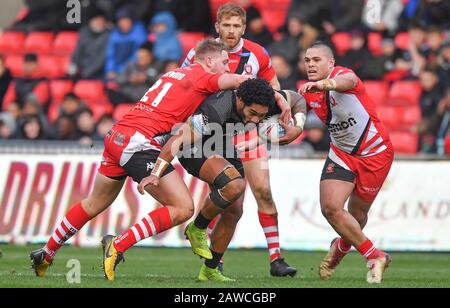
(212, 274)
(328, 265)
(199, 243)
(39, 263)
(111, 257)
(377, 267)
(279, 268)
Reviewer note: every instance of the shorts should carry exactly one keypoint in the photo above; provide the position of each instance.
(256, 153)
(367, 173)
(193, 164)
(129, 153)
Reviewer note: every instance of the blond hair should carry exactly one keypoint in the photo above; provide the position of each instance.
(208, 46)
(230, 10)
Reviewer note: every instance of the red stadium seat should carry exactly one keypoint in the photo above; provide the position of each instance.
(405, 93)
(189, 40)
(101, 109)
(53, 112)
(91, 91)
(411, 116)
(404, 142)
(341, 41)
(59, 88)
(402, 40)
(447, 145)
(273, 12)
(65, 43)
(374, 41)
(10, 96)
(39, 42)
(390, 115)
(121, 110)
(12, 42)
(377, 91)
(15, 64)
(49, 67)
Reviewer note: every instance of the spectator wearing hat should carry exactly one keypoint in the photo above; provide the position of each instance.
(88, 60)
(166, 46)
(123, 42)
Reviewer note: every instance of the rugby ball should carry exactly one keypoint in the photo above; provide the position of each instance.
(270, 129)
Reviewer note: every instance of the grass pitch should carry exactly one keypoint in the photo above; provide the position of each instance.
(178, 268)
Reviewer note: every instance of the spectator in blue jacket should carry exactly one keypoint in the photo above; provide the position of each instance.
(123, 43)
(167, 45)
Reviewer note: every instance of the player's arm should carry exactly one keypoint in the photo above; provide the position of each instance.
(186, 135)
(275, 83)
(284, 107)
(340, 83)
(299, 109)
(231, 81)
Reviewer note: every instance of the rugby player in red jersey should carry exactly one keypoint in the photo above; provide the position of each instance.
(249, 58)
(359, 160)
(131, 149)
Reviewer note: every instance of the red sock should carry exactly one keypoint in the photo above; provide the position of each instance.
(154, 223)
(269, 223)
(368, 250)
(343, 246)
(211, 226)
(74, 220)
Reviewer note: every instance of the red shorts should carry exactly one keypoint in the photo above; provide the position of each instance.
(368, 173)
(255, 153)
(129, 153)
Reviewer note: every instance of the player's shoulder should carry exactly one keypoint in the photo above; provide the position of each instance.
(257, 49)
(339, 70)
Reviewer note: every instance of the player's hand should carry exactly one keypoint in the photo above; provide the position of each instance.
(150, 180)
(285, 108)
(292, 133)
(311, 87)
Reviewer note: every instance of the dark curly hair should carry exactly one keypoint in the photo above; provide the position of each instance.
(256, 91)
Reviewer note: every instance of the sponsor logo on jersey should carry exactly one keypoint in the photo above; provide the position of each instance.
(337, 127)
(315, 105)
(119, 140)
(248, 69)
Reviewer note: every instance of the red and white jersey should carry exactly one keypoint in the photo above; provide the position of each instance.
(247, 58)
(351, 118)
(171, 100)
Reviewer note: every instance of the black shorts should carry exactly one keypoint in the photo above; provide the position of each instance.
(193, 165)
(142, 163)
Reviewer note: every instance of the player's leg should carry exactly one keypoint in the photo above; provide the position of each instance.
(258, 177)
(104, 192)
(227, 185)
(220, 239)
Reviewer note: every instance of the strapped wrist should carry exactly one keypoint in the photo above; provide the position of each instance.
(329, 84)
(300, 119)
(160, 166)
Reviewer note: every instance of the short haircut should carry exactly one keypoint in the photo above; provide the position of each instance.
(230, 10)
(320, 44)
(256, 91)
(208, 46)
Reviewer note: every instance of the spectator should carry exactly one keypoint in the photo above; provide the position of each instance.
(429, 101)
(71, 105)
(88, 60)
(7, 125)
(5, 80)
(397, 63)
(66, 128)
(390, 11)
(32, 83)
(256, 30)
(359, 58)
(444, 126)
(31, 129)
(85, 127)
(166, 45)
(434, 41)
(286, 75)
(104, 125)
(136, 79)
(444, 65)
(123, 43)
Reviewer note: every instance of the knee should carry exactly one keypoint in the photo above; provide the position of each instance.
(233, 190)
(186, 211)
(329, 210)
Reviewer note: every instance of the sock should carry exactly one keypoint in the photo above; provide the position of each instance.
(201, 222)
(343, 246)
(154, 223)
(211, 226)
(74, 220)
(214, 262)
(368, 250)
(269, 223)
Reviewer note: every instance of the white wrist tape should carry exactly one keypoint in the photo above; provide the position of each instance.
(300, 119)
(160, 166)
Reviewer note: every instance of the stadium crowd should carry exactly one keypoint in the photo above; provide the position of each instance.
(72, 81)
